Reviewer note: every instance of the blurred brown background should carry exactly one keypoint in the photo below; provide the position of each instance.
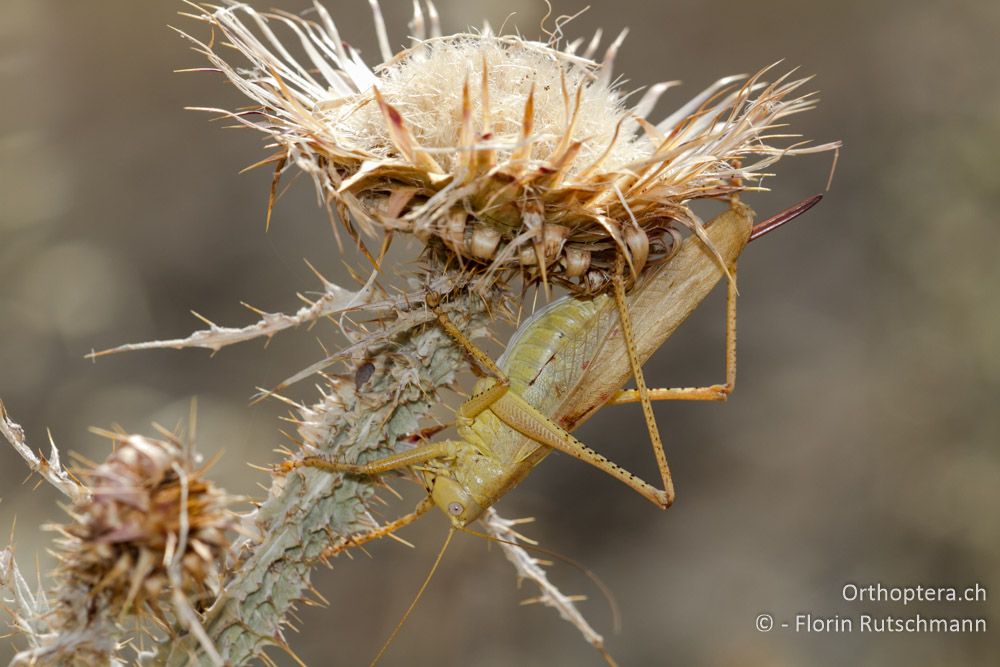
(861, 444)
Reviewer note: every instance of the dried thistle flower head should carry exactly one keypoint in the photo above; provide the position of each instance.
(150, 524)
(497, 151)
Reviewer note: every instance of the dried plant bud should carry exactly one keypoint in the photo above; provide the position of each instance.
(423, 229)
(577, 262)
(501, 127)
(527, 255)
(671, 242)
(454, 231)
(484, 242)
(151, 524)
(553, 238)
(638, 247)
(595, 281)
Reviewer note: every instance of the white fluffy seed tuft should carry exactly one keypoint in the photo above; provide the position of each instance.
(505, 154)
(426, 86)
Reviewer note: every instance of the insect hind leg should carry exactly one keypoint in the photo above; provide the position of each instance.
(618, 280)
(477, 353)
(479, 402)
(524, 418)
(715, 392)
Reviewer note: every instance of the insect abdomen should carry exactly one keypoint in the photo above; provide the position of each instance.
(550, 343)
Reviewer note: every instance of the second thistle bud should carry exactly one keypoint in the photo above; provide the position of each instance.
(151, 524)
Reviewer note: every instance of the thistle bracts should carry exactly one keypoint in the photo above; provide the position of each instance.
(499, 153)
(148, 541)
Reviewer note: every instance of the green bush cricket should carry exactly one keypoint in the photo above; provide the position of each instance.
(566, 362)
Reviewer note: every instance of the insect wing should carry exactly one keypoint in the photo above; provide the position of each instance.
(660, 303)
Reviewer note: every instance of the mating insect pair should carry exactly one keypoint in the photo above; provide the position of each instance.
(567, 361)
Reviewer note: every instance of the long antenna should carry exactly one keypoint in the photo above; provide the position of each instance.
(423, 587)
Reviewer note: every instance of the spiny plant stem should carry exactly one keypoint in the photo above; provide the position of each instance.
(306, 507)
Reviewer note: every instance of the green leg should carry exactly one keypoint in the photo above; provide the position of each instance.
(412, 457)
(715, 392)
(618, 280)
(381, 531)
(483, 400)
(524, 418)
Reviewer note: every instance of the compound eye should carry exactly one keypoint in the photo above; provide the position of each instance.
(455, 509)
